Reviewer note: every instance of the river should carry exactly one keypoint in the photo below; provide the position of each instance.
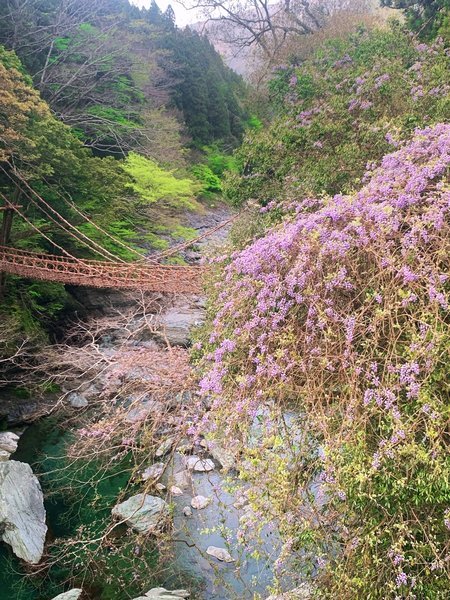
(80, 500)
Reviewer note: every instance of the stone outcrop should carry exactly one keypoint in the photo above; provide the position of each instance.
(144, 513)
(303, 592)
(70, 595)
(219, 553)
(22, 513)
(8, 441)
(163, 594)
(176, 324)
(4, 456)
(226, 458)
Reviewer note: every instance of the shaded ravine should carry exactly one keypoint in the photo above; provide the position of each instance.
(194, 530)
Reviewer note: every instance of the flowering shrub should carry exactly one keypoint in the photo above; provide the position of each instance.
(341, 315)
(346, 106)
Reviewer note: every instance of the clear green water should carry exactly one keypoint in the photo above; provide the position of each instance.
(78, 497)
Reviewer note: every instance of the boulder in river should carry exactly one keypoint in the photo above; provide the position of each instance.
(163, 594)
(22, 513)
(8, 441)
(199, 502)
(144, 513)
(153, 472)
(176, 323)
(220, 553)
(195, 463)
(70, 595)
(303, 592)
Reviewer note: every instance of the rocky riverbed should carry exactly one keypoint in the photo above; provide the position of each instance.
(126, 377)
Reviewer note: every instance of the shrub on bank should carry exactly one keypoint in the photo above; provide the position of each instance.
(346, 106)
(341, 314)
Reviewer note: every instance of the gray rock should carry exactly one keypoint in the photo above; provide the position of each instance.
(180, 399)
(195, 463)
(303, 592)
(163, 594)
(184, 446)
(220, 553)
(200, 502)
(91, 392)
(70, 595)
(8, 441)
(144, 513)
(142, 411)
(4, 456)
(176, 324)
(22, 513)
(224, 457)
(165, 446)
(77, 400)
(182, 479)
(153, 472)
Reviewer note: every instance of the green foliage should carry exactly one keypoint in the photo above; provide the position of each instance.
(211, 183)
(428, 18)
(154, 184)
(218, 160)
(103, 74)
(184, 233)
(339, 111)
(254, 123)
(112, 194)
(34, 305)
(112, 114)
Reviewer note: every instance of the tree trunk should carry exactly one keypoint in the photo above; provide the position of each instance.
(5, 235)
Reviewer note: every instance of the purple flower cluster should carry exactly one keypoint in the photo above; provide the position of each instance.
(301, 277)
(305, 117)
(343, 62)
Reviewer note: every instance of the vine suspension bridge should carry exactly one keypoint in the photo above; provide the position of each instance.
(102, 274)
(145, 274)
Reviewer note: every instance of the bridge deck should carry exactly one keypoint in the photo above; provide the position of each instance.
(156, 278)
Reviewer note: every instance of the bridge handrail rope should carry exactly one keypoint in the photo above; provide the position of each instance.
(33, 226)
(74, 207)
(17, 253)
(169, 278)
(150, 275)
(65, 225)
(152, 258)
